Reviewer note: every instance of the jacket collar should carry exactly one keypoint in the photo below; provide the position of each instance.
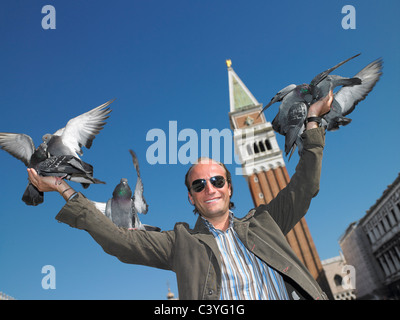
(241, 227)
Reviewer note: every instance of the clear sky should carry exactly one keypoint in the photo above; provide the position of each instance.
(164, 62)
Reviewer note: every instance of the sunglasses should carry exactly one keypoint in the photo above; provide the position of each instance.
(199, 184)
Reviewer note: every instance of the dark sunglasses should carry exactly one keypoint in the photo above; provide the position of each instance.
(199, 184)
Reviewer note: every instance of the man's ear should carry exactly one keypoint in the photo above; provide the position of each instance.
(190, 198)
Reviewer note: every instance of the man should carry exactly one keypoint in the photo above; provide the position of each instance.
(223, 257)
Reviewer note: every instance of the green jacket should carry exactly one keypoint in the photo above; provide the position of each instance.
(193, 254)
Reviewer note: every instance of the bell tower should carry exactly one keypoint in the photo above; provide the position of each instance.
(264, 168)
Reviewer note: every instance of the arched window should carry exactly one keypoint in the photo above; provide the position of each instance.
(256, 150)
(338, 280)
(268, 144)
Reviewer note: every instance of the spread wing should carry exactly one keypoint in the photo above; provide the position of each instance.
(279, 96)
(82, 130)
(18, 145)
(138, 200)
(349, 97)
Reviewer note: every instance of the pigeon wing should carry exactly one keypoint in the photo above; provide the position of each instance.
(81, 131)
(139, 203)
(279, 96)
(101, 206)
(295, 124)
(349, 97)
(321, 76)
(107, 209)
(19, 145)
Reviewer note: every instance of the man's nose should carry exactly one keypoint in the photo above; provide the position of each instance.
(209, 188)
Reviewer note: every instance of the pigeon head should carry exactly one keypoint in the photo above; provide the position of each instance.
(46, 138)
(304, 91)
(122, 190)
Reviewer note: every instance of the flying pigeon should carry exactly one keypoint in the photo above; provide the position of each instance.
(345, 100)
(79, 131)
(123, 208)
(296, 99)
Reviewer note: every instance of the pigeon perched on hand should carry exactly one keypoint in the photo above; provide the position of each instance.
(123, 208)
(293, 109)
(68, 167)
(78, 132)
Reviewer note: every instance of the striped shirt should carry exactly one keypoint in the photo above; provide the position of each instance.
(244, 275)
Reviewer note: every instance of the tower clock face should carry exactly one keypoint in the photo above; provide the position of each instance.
(249, 121)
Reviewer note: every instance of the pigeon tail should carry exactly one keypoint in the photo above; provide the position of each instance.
(32, 196)
(336, 122)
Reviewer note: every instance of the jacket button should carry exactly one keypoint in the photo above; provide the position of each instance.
(210, 292)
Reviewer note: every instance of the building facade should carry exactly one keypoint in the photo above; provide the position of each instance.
(372, 246)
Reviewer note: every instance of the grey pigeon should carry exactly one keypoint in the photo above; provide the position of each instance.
(345, 100)
(290, 120)
(123, 208)
(294, 107)
(68, 167)
(79, 131)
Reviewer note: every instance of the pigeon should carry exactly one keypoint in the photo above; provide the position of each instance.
(290, 120)
(78, 132)
(295, 101)
(68, 167)
(123, 208)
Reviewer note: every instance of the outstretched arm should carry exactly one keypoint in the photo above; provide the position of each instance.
(152, 249)
(292, 203)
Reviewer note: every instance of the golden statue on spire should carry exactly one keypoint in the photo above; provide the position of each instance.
(228, 63)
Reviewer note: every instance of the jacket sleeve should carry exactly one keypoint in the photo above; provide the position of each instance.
(148, 248)
(292, 202)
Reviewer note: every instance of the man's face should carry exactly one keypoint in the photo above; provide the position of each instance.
(211, 202)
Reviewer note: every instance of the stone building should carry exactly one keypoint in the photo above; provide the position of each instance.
(372, 246)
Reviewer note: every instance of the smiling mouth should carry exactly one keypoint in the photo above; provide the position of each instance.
(212, 200)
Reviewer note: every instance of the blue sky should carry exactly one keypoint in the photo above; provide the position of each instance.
(164, 61)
